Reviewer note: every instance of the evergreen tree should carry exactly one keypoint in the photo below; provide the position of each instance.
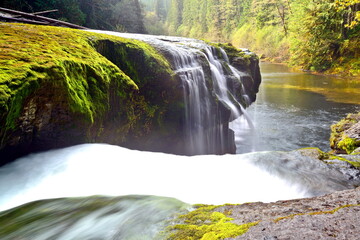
(127, 16)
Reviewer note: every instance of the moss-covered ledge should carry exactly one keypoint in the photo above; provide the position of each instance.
(60, 87)
(205, 223)
(345, 135)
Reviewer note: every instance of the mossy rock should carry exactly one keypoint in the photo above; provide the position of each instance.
(205, 223)
(345, 134)
(247, 63)
(60, 87)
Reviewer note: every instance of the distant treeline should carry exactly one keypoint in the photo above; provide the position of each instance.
(320, 35)
(121, 15)
(314, 34)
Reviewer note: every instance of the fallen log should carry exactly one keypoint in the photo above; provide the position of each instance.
(49, 21)
(21, 20)
(38, 13)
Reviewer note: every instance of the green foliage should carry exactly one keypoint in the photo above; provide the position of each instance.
(317, 35)
(213, 20)
(268, 42)
(96, 14)
(352, 11)
(127, 13)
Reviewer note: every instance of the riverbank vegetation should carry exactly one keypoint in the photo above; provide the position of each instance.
(314, 35)
(319, 35)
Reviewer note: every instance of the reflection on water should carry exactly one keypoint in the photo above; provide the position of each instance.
(288, 113)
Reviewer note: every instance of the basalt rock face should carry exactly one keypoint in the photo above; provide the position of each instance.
(60, 87)
(248, 64)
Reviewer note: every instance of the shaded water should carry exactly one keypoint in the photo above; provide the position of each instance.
(295, 110)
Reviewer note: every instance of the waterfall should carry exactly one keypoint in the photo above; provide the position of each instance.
(209, 102)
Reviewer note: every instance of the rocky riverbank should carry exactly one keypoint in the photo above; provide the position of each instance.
(330, 216)
(333, 216)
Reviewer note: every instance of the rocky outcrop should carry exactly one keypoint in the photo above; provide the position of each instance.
(248, 63)
(60, 87)
(57, 90)
(332, 216)
(345, 135)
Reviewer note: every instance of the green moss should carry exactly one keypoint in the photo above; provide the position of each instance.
(349, 144)
(233, 53)
(119, 88)
(353, 163)
(206, 224)
(32, 55)
(316, 213)
(339, 141)
(317, 153)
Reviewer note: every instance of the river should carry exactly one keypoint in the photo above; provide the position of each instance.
(293, 110)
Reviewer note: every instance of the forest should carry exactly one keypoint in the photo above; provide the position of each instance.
(315, 35)
(116, 15)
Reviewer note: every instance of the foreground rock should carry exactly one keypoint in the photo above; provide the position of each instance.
(327, 216)
(333, 216)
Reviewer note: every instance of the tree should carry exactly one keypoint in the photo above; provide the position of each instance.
(352, 11)
(174, 18)
(127, 15)
(316, 29)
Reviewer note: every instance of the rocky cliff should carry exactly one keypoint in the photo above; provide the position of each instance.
(61, 87)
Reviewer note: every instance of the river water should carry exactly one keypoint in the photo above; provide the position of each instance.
(295, 110)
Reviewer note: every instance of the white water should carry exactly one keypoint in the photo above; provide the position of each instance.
(98, 169)
(204, 129)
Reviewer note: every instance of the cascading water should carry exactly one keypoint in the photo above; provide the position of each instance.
(94, 169)
(91, 169)
(209, 103)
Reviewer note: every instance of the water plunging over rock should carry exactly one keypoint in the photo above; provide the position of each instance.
(153, 93)
(213, 89)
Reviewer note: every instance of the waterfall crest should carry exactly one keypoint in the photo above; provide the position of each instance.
(212, 88)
